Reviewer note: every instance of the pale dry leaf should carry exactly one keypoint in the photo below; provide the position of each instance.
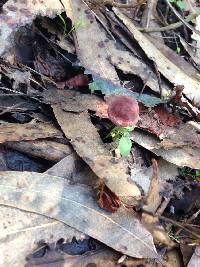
(126, 61)
(142, 175)
(75, 170)
(167, 68)
(183, 135)
(73, 101)
(45, 149)
(174, 58)
(185, 156)
(76, 206)
(99, 258)
(21, 238)
(169, 128)
(27, 131)
(18, 77)
(153, 198)
(89, 41)
(195, 260)
(156, 229)
(130, 64)
(197, 39)
(86, 141)
(17, 13)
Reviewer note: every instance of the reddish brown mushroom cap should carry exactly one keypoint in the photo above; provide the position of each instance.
(123, 110)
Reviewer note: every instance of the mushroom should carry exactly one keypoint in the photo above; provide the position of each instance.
(123, 110)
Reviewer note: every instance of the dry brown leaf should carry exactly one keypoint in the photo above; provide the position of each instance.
(27, 131)
(89, 41)
(49, 150)
(184, 135)
(76, 206)
(130, 64)
(153, 198)
(17, 13)
(27, 230)
(86, 141)
(167, 68)
(99, 258)
(195, 260)
(75, 170)
(156, 229)
(172, 259)
(196, 37)
(169, 128)
(185, 156)
(142, 175)
(107, 199)
(157, 121)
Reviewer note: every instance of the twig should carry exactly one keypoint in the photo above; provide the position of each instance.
(172, 26)
(179, 225)
(174, 223)
(141, 92)
(163, 206)
(159, 80)
(149, 7)
(194, 216)
(181, 18)
(18, 93)
(119, 5)
(10, 108)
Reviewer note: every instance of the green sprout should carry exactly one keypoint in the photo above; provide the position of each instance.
(79, 23)
(186, 171)
(173, 236)
(121, 136)
(178, 50)
(179, 3)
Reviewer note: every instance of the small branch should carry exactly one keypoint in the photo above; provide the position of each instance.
(174, 223)
(159, 80)
(179, 225)
(119, 5)
(171, 26)
(181, 18)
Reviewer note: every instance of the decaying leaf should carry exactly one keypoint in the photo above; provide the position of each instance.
(107, 199)
(75, 170)
(165, 66)
(142, 176)
(18, 77)
(153, 199)
(195, 260)
(27, 131)
(76, 206)
(86, 141)
(197, 39)
(184, 135)
(46, 149)
(74, 101)
(17, 13)
(26, 232)
(156, 229)
(157, 121)
(76, 81)
(89, 41)
(100, 257)
(130, 64)
(184, 156)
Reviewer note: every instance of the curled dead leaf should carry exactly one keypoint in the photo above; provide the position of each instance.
(107, 199)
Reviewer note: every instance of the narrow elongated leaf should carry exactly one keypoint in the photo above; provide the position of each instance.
(76, 206)
(109, 88)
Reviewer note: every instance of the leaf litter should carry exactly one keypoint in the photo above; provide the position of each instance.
(71, 66)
